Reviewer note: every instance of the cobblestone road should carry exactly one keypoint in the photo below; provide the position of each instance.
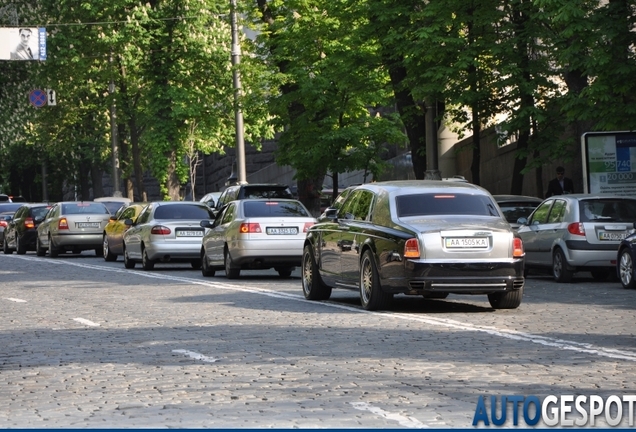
(85, 343)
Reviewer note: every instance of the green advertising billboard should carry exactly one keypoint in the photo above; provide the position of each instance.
(609, 162)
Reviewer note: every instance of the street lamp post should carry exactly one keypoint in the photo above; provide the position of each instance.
(432, 153)
(238, 113)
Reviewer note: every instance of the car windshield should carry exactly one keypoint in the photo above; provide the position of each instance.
(513, 211)
(266, 192)
(444, 204)
(183, 211)
(274, 208)
(39, 212)
(83, 207)
(615, 210)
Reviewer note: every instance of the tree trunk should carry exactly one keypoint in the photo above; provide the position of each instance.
(96, 178)
(172, 183)
(475, 168)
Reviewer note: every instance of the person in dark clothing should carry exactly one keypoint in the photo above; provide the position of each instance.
(560, 185)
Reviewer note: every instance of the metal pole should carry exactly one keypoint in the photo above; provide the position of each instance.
(238, 113)
(432, 152)
(113, 138)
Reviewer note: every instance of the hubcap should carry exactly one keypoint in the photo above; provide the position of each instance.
(366, 280)
(626, 268)
(307, 274)
(558, 264)
(105, 246)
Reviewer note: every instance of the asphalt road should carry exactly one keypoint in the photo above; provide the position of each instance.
(88, 344)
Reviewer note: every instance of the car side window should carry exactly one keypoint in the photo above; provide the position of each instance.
(348, 207)
(362, 207)
(540, 215)
(129, 213)
(228, 215)
(19, 213)
(557, 212)
(145, 215)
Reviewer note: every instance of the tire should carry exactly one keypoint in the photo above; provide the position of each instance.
(560, 270)
(53, 251)
(371, 295)
(206, 270)
(285, 272)
(506, 300)
(5, 247)
(196, 264)
(106, 253)
(146, 263)
(128, 262)
(231, 272)
(600, 275)
(313, 286)
(39, 250)
(626, 269)
(20, 247)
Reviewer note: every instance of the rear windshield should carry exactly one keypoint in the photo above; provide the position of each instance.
(39, 212)
(84, 207)
(274, 208)
(265, 192)
(444, 204)
(183, 211)
(616, 210)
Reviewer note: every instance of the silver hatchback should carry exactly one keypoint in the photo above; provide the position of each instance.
(577, 232)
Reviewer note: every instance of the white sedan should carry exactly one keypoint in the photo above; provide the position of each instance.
(253, 234)
(166, 231)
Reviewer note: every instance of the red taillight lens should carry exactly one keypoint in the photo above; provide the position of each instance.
(160, 229)
(307, 226)
(62, 224)
(246, 228)
(576, 228)
(28, 223)
(3, 224)
(517, 248)
(412, 248)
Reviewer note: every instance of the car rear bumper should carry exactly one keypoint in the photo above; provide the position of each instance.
(267, 254)
(585, 254)
(85, 241)
(174, 251)
(463, 277)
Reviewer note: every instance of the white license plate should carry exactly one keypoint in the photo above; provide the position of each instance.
(87, 224)
(183, 233)
(282, 231)
(466, 242)
(604, 235)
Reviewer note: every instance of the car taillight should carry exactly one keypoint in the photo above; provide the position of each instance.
(62, 224)
(160, 229)
(517, 247)
(307, 226)
(3, 223)
(246, 228)
(28, 223)
(576, 228)
(412, 248)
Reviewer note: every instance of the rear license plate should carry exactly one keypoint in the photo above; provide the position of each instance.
(466, 242)
(282, 231)
(611, 236)
(87, 224)
(189, 233)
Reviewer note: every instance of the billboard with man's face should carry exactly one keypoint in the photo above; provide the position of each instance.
(23, 43)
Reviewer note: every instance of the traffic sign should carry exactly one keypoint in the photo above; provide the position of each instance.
(37, 98)
(51, 100)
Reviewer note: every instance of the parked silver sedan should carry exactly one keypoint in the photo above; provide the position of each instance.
(255, 234)
(72, 226)
(577, 232)
(166, 231)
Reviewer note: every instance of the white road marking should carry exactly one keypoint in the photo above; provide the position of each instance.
(405, 421)
(17, 300)
(86, 322)
(562, 344)
(196, 355)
